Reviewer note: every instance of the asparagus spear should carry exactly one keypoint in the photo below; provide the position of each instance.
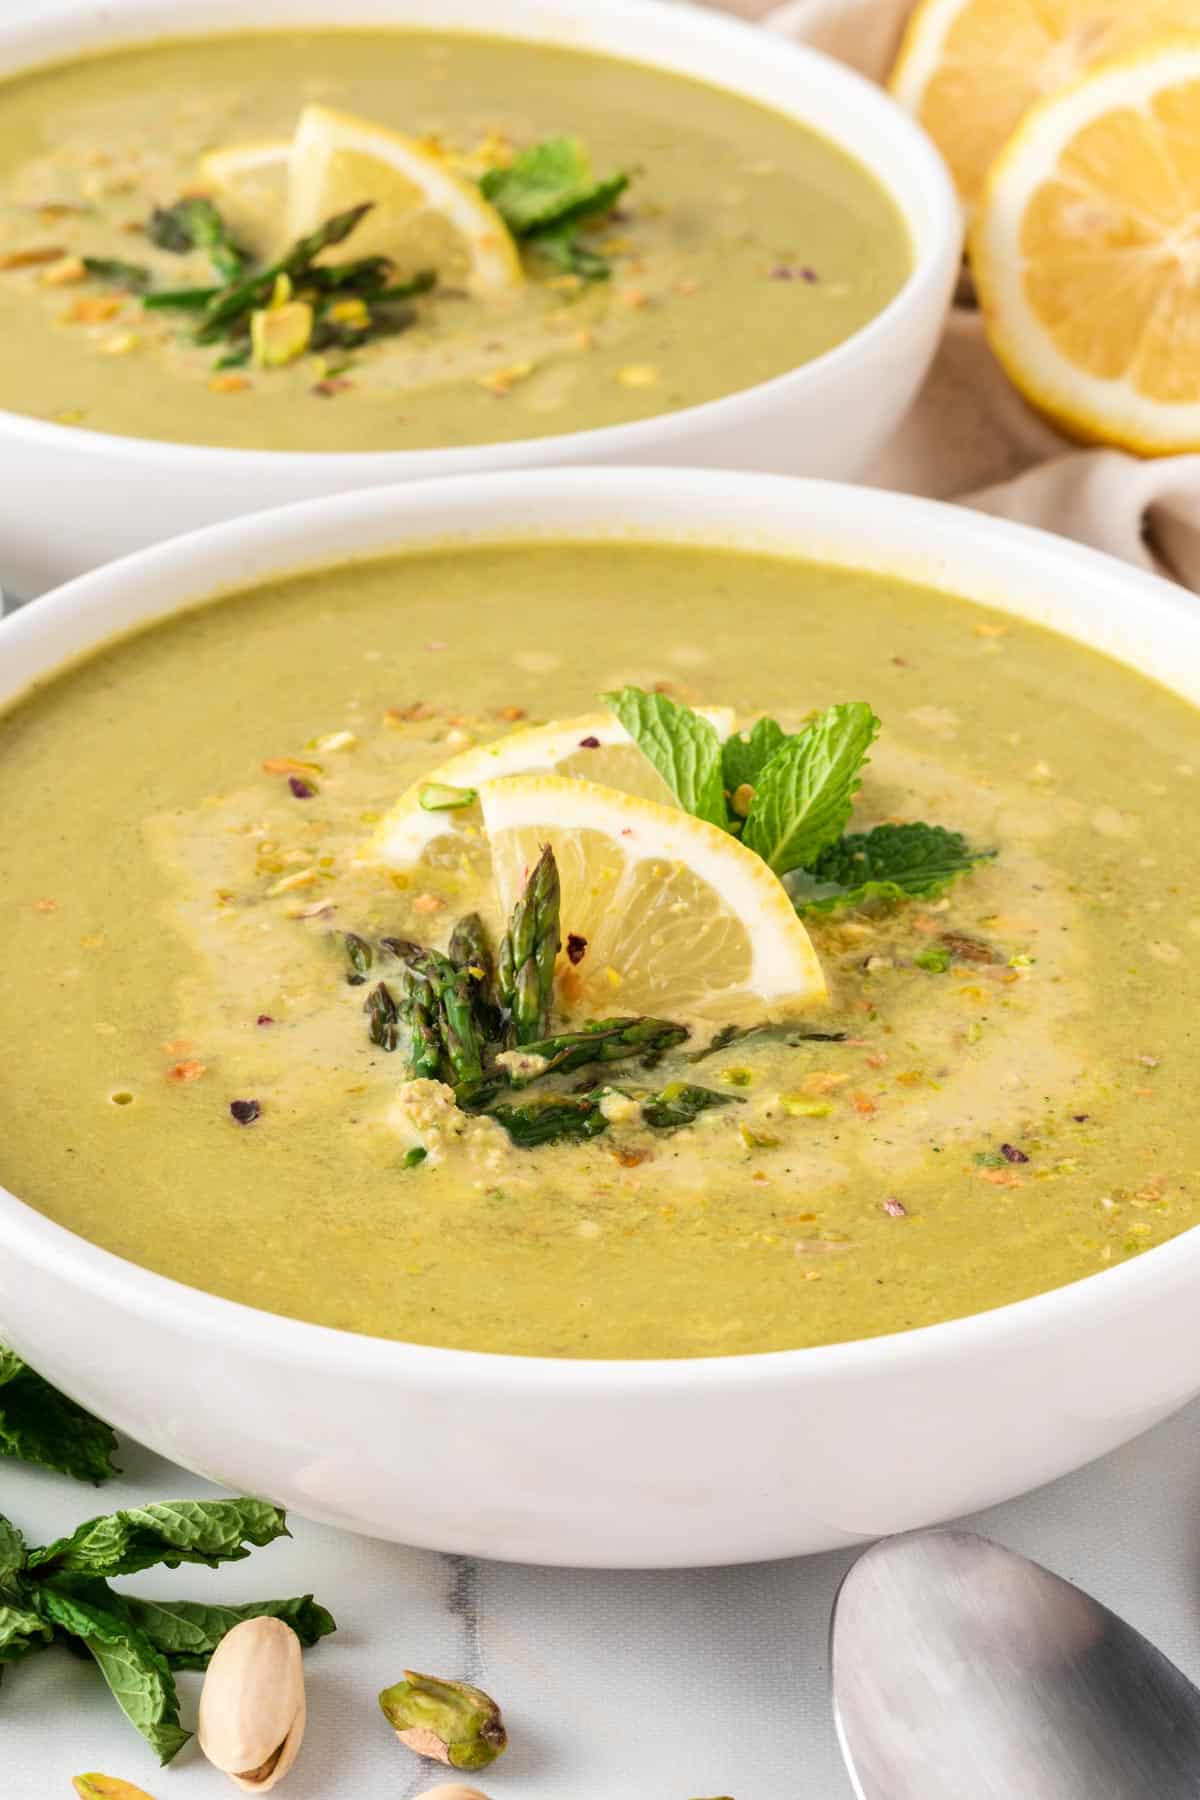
(525, 976)
(424, 1038)
(470, 952)
(194, 223)
(680, 1102)
(383, 1017)
(550, 1118)
(604, 1041)
(451, 992)
(360, 957)
(233, 303)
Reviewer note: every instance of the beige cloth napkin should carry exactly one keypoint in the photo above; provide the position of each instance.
(970, 436)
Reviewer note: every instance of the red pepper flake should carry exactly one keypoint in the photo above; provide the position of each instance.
(333, 384)
(303, 790)
(576, 948)
(45, 906)
(589, 743)
(245, 1111)
(264, 1019)
(863, 1105)
(1011, 1154)
(182, 1072)
(409, 715)
(790, 272)
(511, 713)
(1081, 1118)
(895, 1208)
(629, 1159)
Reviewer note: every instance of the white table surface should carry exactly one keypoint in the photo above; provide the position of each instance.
(614, 1686)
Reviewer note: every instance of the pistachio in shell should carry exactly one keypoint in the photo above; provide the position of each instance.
(452, 1790)
(252, 1709)
(446, 1720)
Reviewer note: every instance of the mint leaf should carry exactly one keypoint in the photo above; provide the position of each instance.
(745, 755)
(803, 795)
(187, 1631)
(137, 1673)
(682, 746)
(40, 1425)
(174, 1532)
(563, 245)
(12, 1549)
(893, 862)
(550, 184)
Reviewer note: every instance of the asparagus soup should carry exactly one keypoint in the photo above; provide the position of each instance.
(383, 240)
(457, 948)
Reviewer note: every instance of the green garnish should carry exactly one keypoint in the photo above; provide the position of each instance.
(132, 276)
(195, 224)
(804, 793)
(797, 794)
(40, 1425)
(681, 1102)
(934, 962)
(60, 1592)
(437, 796)
(551, 1118)
(544, 195)
(892, 862)
(528, 952)
(602, 1041)
(412, 1159)
(680, 744)
(360, 957)
(383, 1018)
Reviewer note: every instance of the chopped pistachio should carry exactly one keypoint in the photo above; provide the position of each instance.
(63, 273)
(29, 259)
(438, 796)
(279, 334)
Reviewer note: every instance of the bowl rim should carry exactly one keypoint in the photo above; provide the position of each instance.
(400, 512)
(918, 184)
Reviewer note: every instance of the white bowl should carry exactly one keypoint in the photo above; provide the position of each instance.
(617, 1463)
(827, 417)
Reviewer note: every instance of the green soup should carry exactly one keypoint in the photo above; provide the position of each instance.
(744, 245)
(999, 1099)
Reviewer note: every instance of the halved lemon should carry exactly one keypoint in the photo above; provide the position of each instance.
(971, 69)
(425, 215)
(1086, 252)
(676, 917)
(595, 747)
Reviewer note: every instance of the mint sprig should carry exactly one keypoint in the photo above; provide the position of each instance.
(680, 744)
(544, 195)
(60, 1592)
(802, 787)
(804, 794)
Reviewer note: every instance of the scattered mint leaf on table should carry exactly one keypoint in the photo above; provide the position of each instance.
(137, 1673)
(803, 795)
(187, 1632)
(174, 1532)
(892, 862)
(40, 1425)
(681, 745)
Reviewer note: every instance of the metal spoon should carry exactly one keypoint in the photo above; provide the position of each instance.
(962, 1671)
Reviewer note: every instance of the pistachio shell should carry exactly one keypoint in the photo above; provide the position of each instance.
(108, 1787)
(252, 1709)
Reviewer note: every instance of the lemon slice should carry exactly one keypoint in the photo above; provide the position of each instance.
(678, 918)
(250, 181)
(970, 69)
(1086, 252)
(595, 746)
(425, 216)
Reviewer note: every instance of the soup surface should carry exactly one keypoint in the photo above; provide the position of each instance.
(734, 216)
(999, 1100)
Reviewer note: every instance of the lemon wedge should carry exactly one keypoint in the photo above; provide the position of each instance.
(1086, 252)
(425, 215)
(677, 917)
(970, 69)
(250, 181)
(594, 746)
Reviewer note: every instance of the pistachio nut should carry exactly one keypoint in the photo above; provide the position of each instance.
(107, 1787)
(252, 1704)
(446, 1720)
